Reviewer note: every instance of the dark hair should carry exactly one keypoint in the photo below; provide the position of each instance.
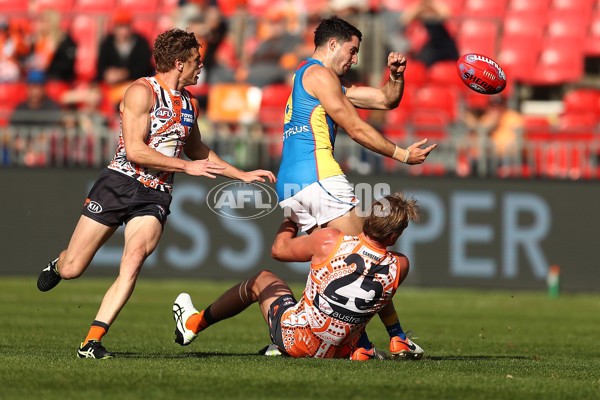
(335, 27)
(389, 216)
(173, 45)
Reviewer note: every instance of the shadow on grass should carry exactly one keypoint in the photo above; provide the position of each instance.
(476, 357)
(196, 354)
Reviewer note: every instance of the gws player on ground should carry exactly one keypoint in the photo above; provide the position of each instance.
(332, 314)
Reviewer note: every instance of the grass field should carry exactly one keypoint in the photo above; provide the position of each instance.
(479, 345)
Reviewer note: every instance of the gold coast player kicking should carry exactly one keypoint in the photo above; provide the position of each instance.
(351, 279)
(158, 127)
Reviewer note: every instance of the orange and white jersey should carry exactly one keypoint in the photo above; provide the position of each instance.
(342, 295)
(171, 120)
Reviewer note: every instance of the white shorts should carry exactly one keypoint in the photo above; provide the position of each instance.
(320, 202)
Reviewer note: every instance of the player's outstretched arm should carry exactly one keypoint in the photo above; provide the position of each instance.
(324, 85)
(198, 151)
(314, 247)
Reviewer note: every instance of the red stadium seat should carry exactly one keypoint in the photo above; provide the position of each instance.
(518, 57)
(56, 89)
(440, 99)
(94, 6)
(478, 36)
(396, 120)
(536, 124)
(164, 23)
(592, 39)
(560, 62)
(86, 33)
(272, 105)
(578, 122)
(58, 5)
(444, 73)
(539, 7)
(138, 6)
(169, 6)
(524, 26)
(485, 9)
(12, 6)
(577, 7)
(582, 101)
(415, 74)
(567, 26)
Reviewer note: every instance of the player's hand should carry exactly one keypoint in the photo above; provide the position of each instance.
(204, 168)
(396, 63)
(417, 155)
(257, 175)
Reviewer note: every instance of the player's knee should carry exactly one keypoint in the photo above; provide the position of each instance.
(70, 269)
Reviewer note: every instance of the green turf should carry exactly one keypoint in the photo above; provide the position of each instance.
(479, 345)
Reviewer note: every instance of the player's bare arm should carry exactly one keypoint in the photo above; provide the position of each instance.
(315, 247)
(196, 149)
(136, 106)
(386, 97)
(325, 85)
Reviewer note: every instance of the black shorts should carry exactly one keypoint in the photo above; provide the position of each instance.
(276, 311)
(116, 198)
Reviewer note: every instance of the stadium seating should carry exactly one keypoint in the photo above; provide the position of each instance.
(478, 36)
(582, 101)
(12, 6)
(581, 8)
(85, 30)
(560, 61)
(437, 99)
(592, 39)
(444, 73)
(518, 57)
(143, 6)
(531, 7)
(567, 26)
(493, 10)
(272, 105)
(94, 6)
(59, 5)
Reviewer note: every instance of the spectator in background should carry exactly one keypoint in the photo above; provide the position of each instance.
(440, 45)
(493, 136)
(124, 56)
(12, 50)
(37, 109)
(53, 49)
(273, 59)
(32, 119)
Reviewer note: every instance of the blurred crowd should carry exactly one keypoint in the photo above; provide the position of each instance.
(62, 65)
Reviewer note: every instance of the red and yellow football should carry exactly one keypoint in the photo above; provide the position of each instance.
(481, 73)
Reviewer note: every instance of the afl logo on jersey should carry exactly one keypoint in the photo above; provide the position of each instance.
(94, 207)
(163, 113)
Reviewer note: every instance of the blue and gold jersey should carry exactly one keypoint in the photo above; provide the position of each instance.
(308, 140)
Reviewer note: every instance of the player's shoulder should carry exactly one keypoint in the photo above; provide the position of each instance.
(401, 258)
(140, 92)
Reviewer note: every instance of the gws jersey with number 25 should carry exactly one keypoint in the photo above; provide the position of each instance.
(342, 295)
(171, 120)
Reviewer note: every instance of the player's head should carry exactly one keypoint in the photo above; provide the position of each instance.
(172, 46)
(389, 217)
(340, 42)
(337, 28)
